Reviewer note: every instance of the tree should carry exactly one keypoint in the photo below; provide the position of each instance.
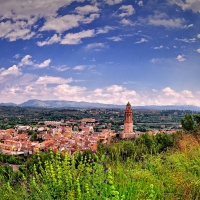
(164, 141)
(187, 123)
(197, 119)
(33, 137)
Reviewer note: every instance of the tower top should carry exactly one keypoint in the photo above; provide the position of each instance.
(128, 104)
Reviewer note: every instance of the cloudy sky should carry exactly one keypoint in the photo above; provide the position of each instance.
(108, 51)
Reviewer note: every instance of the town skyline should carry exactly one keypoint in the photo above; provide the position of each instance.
(110, 51)
(77, 133)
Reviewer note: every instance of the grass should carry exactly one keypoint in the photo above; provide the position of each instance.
(173, 175)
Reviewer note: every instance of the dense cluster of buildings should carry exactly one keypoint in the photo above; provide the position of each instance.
(59, 136)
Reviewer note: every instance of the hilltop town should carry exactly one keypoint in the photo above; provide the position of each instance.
(73, 134)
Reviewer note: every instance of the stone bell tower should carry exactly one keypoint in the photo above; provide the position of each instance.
(128, 119)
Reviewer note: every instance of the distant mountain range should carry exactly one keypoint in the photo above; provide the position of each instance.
(75, 104)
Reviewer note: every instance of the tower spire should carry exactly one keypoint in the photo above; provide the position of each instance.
(128, 119)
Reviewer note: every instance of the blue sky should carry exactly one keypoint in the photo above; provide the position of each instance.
(109, 51)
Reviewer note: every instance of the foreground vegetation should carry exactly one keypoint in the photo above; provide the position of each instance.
(114, 172)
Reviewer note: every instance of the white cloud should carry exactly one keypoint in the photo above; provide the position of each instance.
(87, 9)
(128, 82)
(16, 56)
(24, 80)
(21, 16)
(153, 60)
(198, 35)
(13, 77)
(193, 5)
(43, 92)
(105, 29)
(180, 58)
(115, 38)
(54, 39)
(49, 88)
(91, 18)
(127, 10)
(186, 40)
(27, 9)
(126, 22)
(187, 94)
(114, 94)
(79, 67)
(63, 23)
(96, 46)
(198, 50)
(26, 61)
(168, 23)
(5, 28)
(61, 68)
(14, 71)
(114, 88)
(23, 34)
(15, 30)
(7, 75)
(162, 19)
(112, 2)
(73, 93)
(43, 64)
(53, 80)
(169, 92)
(189, 26)
(140, 3)
(160, 47)
(23, 23)
(169, 96)
(141, 41)
(154, 90)
(75, 38)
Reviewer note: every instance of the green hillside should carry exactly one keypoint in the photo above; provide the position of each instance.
(126, 170)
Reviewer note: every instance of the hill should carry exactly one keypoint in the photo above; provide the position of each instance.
(82, 104)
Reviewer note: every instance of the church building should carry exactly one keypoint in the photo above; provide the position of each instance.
(128, 123)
